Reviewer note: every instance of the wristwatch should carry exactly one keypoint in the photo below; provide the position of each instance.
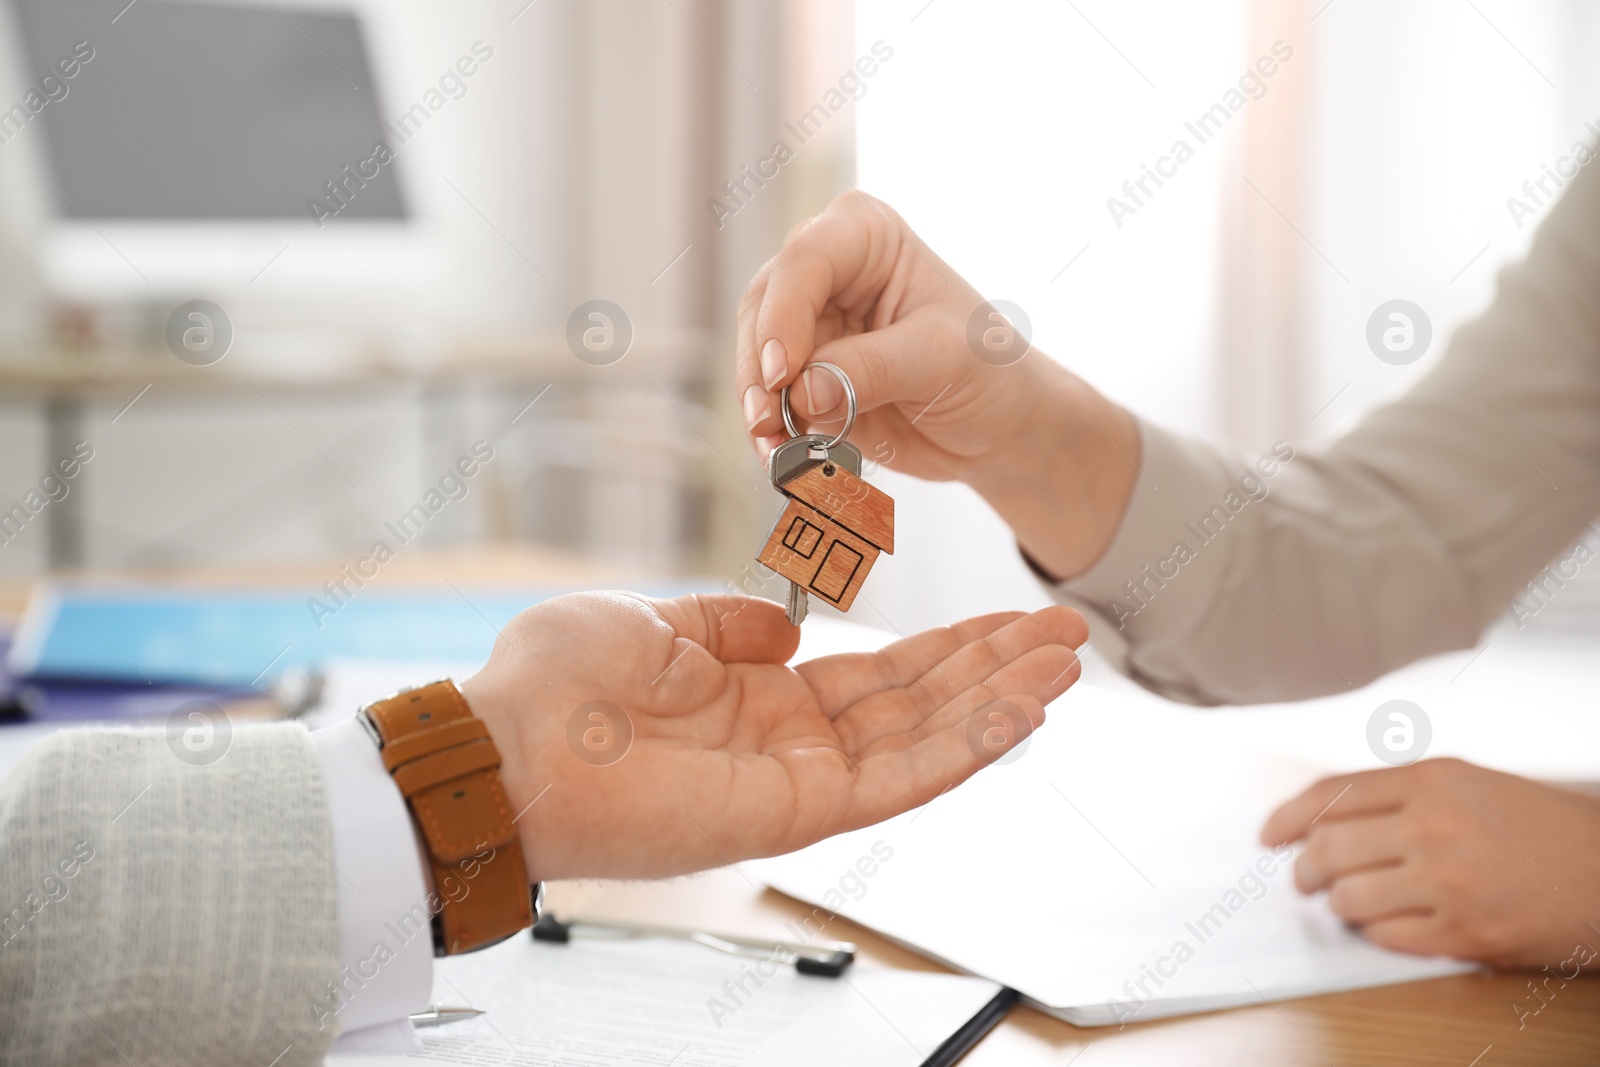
(448, 769)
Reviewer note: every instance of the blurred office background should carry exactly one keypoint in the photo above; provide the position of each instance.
(551, 153)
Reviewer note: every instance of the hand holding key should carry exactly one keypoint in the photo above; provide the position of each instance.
(856, 288)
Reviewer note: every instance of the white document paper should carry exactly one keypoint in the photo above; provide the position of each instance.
(1110, 872)
(595, 1002)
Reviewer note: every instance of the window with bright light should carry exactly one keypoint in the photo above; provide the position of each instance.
(1000, 131)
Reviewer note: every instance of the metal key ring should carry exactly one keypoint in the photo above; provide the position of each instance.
(849, 403)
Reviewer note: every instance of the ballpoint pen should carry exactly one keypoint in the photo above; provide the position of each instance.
(825, 958)
(439, 1014)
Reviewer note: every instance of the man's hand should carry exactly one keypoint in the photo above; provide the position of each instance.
(855, 287)
(644, 738)
(1447, 858)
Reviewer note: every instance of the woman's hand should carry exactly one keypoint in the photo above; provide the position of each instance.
(644, 738)
(946, 387)
(1446, 858)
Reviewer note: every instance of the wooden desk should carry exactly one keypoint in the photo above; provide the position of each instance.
(1460, 1021)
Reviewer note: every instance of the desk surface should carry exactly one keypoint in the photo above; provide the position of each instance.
(1464, 1020)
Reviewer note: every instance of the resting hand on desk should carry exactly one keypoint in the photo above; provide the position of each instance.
(1446, 858)
(733, 754)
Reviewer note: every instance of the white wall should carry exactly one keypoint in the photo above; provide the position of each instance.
(1002, 128)
(999, 131)
(1428, 116)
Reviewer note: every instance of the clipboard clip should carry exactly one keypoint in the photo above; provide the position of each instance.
(827, 959)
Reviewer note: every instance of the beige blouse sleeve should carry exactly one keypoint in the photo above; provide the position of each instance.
(1238, 579)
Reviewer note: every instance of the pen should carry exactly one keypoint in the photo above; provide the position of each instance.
(826, 958)
(439, 1014)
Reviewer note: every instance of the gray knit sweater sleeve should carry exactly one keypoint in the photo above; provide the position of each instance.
(156, 911)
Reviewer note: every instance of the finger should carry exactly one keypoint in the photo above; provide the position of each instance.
(894, 720)
(1341, 797)
(958, 656)
(1421, 935)
(841, 680)
(893, 782)
(1338, 849)
(888, 365)
(732, 628)
(978, 661)
(1372, 896)
(826, 257)
(794, 231)
(1040, 674)
(817, 396)
(756, 402)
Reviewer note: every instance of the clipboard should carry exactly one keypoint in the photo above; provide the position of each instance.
(650, 999)
(827, 959)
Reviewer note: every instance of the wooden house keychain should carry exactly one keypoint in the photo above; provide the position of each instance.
(835, 524)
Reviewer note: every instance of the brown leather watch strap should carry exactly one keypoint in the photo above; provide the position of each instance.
(448, 769)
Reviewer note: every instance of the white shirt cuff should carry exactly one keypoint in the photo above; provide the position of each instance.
(385, 929)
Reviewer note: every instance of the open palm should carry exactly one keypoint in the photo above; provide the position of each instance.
(645, 738)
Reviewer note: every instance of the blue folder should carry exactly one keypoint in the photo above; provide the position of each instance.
(66, 700)
(249, 638)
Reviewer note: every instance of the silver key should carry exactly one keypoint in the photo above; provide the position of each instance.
(797, 605)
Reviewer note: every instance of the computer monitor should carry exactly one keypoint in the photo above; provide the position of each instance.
(188, 147)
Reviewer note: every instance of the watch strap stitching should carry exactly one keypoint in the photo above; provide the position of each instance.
(440, 754)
